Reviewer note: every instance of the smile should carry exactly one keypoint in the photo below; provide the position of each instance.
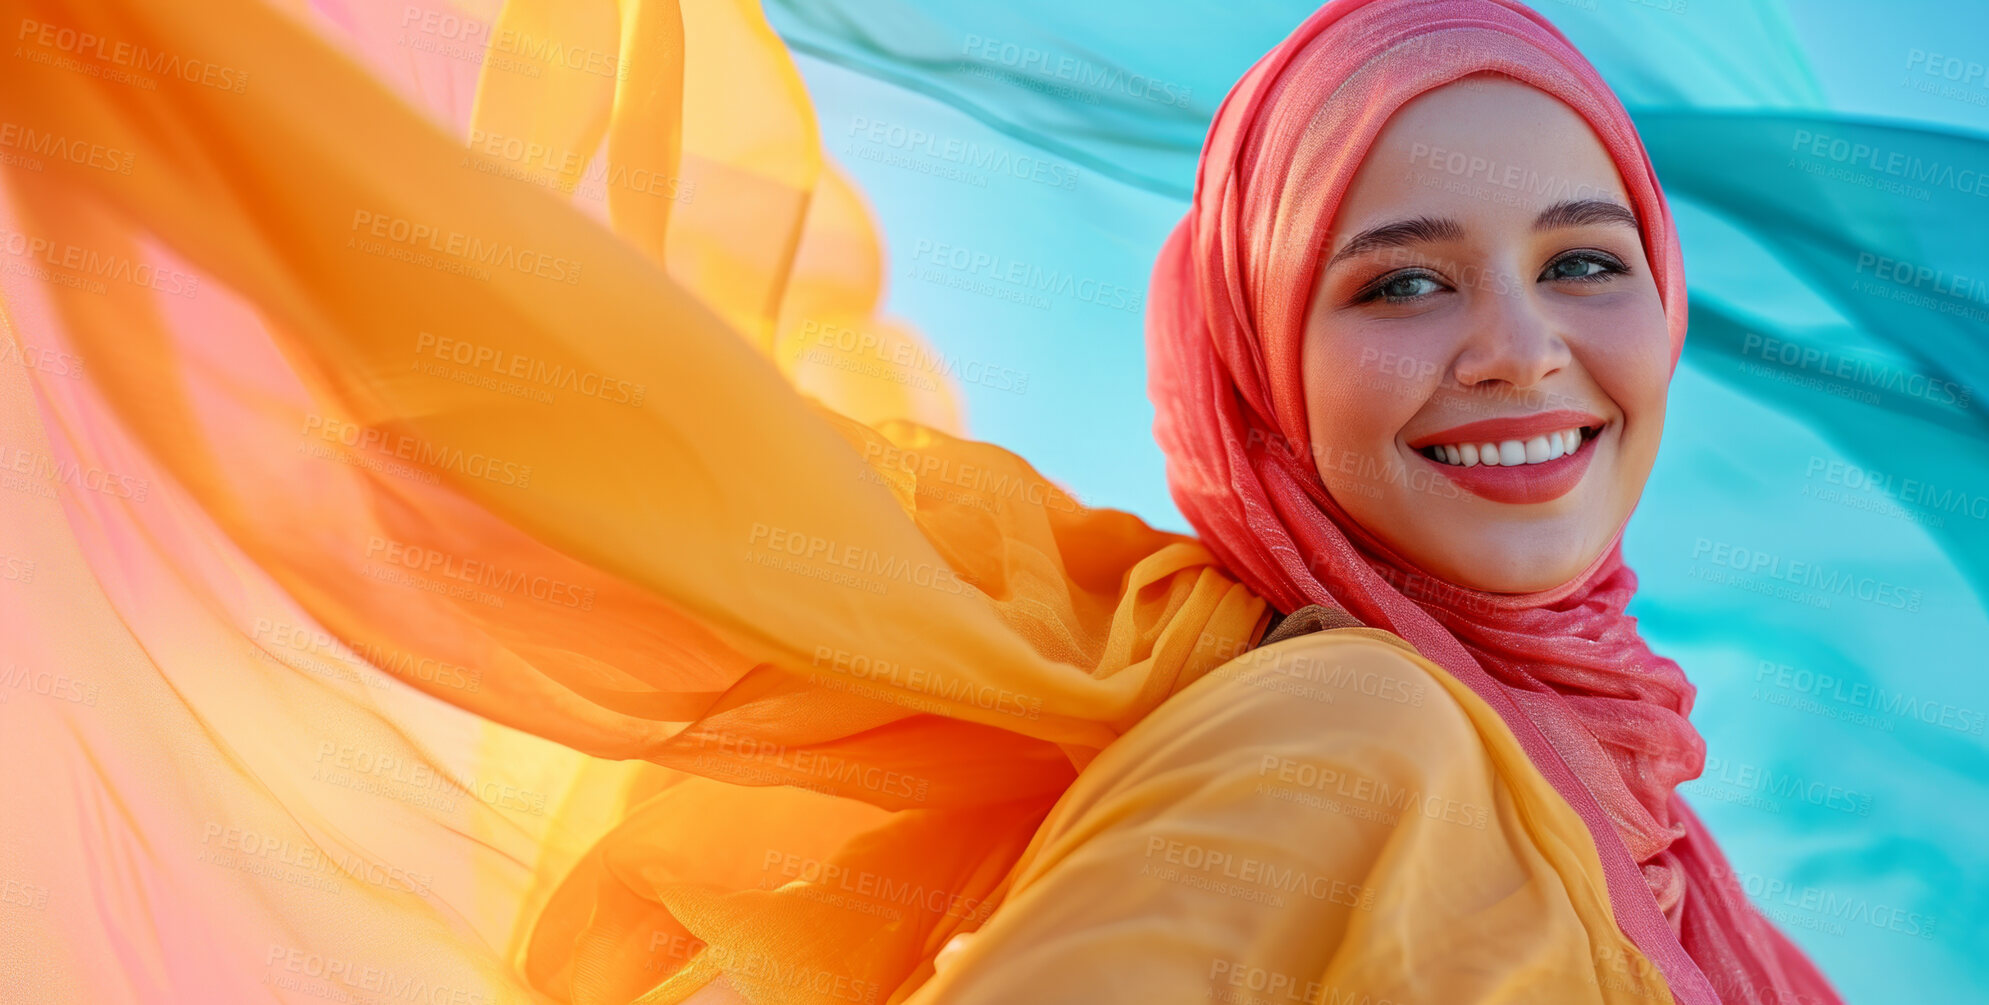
(1513, 453)
(1516, 460)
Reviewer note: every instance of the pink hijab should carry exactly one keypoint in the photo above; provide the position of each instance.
(1601, 715)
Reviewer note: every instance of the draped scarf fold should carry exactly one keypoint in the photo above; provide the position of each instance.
(1603, 717)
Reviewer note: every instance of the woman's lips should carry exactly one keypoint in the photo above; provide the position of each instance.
(1520, 484)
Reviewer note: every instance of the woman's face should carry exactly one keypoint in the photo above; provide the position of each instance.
(1486, 308)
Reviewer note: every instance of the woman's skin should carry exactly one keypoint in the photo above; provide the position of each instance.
(1483, 336)
(1486, 310)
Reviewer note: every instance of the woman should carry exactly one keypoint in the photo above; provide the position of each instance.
(917, 726)
(1472, 393)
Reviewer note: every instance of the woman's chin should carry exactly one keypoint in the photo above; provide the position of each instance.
(1506, 560)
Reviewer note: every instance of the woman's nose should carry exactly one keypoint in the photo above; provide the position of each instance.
(1512, 340)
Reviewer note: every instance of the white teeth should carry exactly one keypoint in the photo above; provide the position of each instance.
(1507, 453)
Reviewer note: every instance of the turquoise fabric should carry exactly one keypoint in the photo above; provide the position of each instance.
(1814, 544)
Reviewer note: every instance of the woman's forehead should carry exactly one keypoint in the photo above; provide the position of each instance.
(1481, 148)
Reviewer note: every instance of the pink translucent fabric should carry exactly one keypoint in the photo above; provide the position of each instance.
(1603, 716)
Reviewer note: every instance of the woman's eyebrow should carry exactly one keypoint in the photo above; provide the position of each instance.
(1401, 233)
(1584, 212)
(1430, 229)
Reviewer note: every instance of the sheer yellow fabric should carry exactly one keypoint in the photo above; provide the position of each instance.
(435, 587)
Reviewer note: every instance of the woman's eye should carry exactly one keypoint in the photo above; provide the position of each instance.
(1402, 286)
(1586, 266)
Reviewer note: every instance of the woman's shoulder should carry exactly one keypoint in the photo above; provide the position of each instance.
(1323, 670)
(1349, 788)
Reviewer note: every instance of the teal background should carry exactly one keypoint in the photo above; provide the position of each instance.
(1845, 716)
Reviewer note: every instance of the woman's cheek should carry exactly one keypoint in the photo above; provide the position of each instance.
(1630, 360)
(1625, 345)
(1390, 380)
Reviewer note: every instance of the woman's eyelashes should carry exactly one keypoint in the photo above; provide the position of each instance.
(1584, 266)
(1402, 286)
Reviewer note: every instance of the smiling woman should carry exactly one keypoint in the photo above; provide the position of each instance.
(1422, 227)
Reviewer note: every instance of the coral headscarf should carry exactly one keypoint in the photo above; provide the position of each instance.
(1602, 716)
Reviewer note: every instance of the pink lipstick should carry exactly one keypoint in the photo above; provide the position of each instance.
(1517, 459)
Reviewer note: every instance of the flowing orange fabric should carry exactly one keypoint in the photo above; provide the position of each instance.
(1603, 716)
(380, 408)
